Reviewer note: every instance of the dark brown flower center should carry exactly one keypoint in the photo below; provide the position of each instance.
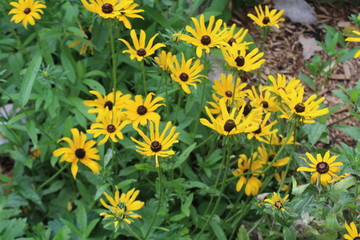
(184, 77)
(228, 93)
(357, 238)
(300, 107)
(88, 35)
(110, 128)
(322, 167)
(141, 110)
(27, 10)
(107, 8)
(155, 146)
(257, 131)
(247, 109)
(240, 61)
(109, 105)
(80, 153)
(278, 204)
(231, 41)
(229, 125)
(245, 170)
(141, 52)
(266, 20)
(206, 40)
(265, 104)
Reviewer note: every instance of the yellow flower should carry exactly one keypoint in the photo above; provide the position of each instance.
(251, 182)
(323, 168)
(295, 108)
(229, 123)
(165, 60)
(204, 37)
(263, 99)
(267, 18)
(110, 126)
(277, 140)
(140, 51)
(263, 129)
(84, 43)
(186, 74)
(236, 56)
(141, 111)
(26, 11)
(277, 202)
(157, 144)
(105, 104)
(237, 38)
(281, 85)
(280, 178)
(355, 39)
(268, 156)
(225, 88)
(353, 233)
(122, 208)
(129, 11)
(79, 150)
(106, 8)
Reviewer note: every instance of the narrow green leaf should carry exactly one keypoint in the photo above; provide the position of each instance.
(185, 207)
(352, 131)
(298, 190)
(29, 79)
(91, 227)
(81, 217)
(218, 231)
(242, 234)
(184, 155)
(308, 81)
(71, 226)
(68, 65)
(32, 131)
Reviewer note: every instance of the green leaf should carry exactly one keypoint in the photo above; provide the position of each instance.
(242, 234)
(289, 233)
(62, 233)
(29, 79)
(71, 226)
(156, 16)
(352, 131)
(308, 81)
(32, 131)
(343, 96)
(84, 191)
(315, 131)
(100, 190)
(184, 155)
(297, 191)
(54, 187)
(94, 85)
(185, 208)
(68, 64)
(81, 217)
(13, 228)
(218, 231)
(126, 182)
(4, 178)
(91, 227)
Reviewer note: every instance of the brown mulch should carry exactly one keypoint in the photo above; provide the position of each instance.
(283, 54)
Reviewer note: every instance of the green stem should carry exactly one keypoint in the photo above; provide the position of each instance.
(143, 77)
(52, 177)
(178, 105)
(159, 203)
(128, 228)
(113, 57)
(227, 156)
(246, 210)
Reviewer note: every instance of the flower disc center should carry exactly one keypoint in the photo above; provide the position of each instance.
(184, 77)
(155, 146)
(229, 125)
(88, 34)
(228, 93)
(247, 109)
(109, 105)
(110, 128)
(278, 205)
(322, 167)
(266, 20)
(357, 238)
(141, 52)
(141, 110)
(300, 107)
(265, 104)
(240, 61)
(80, 153)
(206, 40)
(231, 41)
(27, 10)
(257, 131)
(107, 8)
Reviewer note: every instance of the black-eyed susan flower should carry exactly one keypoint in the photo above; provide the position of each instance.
(323, 168)
(267, 18)
(105, 104)
(277, 202)
(280, 84)
(140, 51)
(353, 233)
(110, 126)
(225, 88)
(86, 43)
(127, 12)
(267, 155)
(295, 108)
(263, 99)
(230, 122)
(26, 11)
(142, 110)
(235, 38)
(204, 38)
(274, 139)
(252, 182)
(122, 208)
(165, 60)
(263, 129)
(186, 73)
(238, 57)
(355, 39)
(79, 150)
(106, 8)
(157, 144)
